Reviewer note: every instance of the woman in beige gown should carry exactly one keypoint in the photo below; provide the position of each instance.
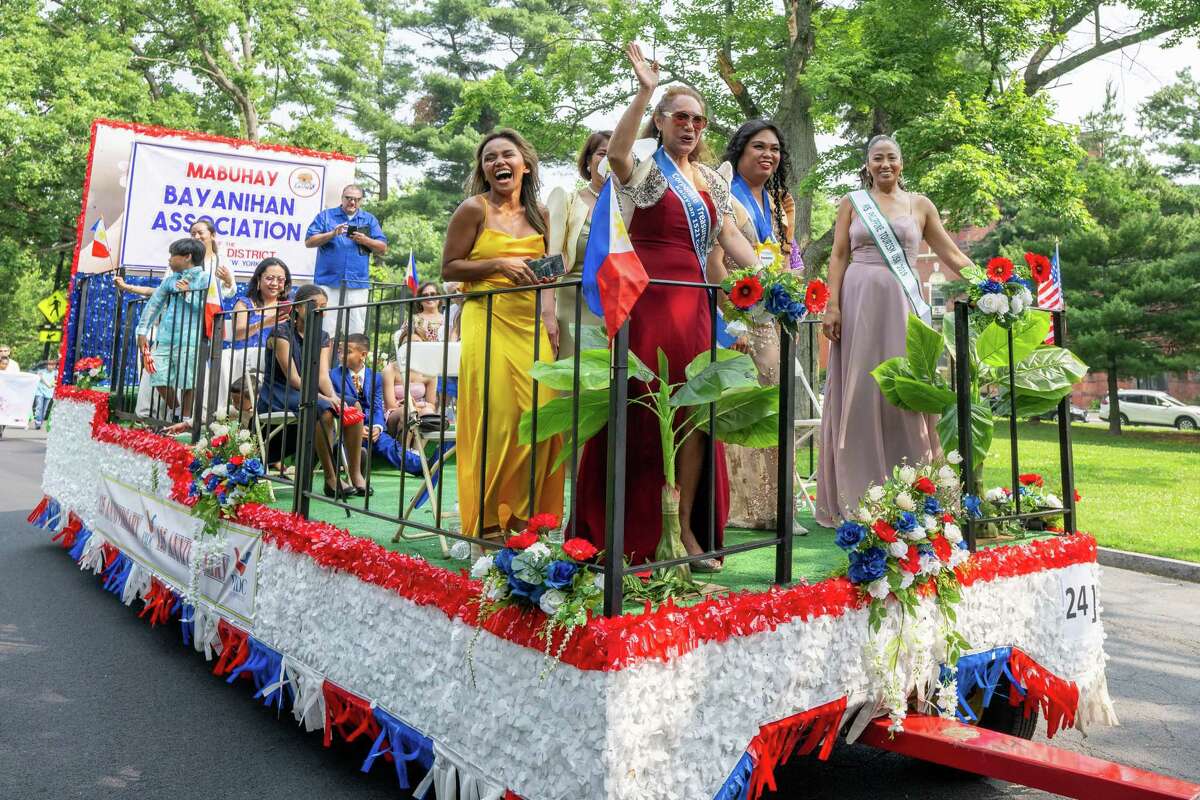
(863, 436)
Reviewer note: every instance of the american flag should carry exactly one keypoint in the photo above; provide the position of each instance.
(1050, 294)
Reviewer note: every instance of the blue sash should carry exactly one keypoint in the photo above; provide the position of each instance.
(761, 214)
(699, 222)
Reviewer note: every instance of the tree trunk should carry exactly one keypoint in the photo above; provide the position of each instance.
(1114, 403)
(795, 111)
(383, 170)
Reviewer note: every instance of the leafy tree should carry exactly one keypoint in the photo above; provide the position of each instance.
(1172, 117)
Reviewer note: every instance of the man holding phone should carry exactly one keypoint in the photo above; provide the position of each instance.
(346, 237)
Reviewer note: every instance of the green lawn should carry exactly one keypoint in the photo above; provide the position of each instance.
(1140, 490)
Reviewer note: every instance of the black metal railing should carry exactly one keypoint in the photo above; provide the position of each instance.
(972, 481)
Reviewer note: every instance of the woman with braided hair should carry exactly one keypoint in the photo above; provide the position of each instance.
(758, 169)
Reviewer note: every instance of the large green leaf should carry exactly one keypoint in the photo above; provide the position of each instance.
(1028, 405)
(1028, 334)
(594, 371)
(702, 360)
(727, 373)
(924, 346)
(885, 375)
(749, 417)
(593, 337)
(1049, 371)
(920, 396)
(556, 416)
(982, 425)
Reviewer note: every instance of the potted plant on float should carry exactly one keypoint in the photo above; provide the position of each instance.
(746, 413)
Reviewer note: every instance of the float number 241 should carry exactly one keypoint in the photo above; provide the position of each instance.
(1081, 602)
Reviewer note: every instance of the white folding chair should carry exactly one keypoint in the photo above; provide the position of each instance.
(426, 358)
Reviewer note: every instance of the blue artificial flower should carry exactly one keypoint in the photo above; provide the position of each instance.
(254, 467)
(503, 561)
(963, 544)
(868, 565)
(932, 506)
(212, 482)
(778, 300)
(237, 476)
(520, 588)
(196, 466)
(1021, 281)
(906, 522)
(560, 574)
(1023, 491)
(991, 287)
(849, 535)
(797, 310)
(973, 506)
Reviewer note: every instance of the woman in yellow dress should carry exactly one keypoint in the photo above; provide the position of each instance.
(491, 238)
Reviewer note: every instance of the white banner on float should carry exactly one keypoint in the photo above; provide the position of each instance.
(260, 206)
(159, 536)
(16, 398)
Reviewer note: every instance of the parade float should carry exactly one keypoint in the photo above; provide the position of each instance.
(466, 698)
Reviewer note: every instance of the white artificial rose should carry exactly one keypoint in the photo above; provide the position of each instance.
(996, 495)
(906, 579)
(243, 435)
(958, 556)
(1026, 296)
(916, 534)
(908, 474)
(217, 429)
(879, 589)
(947, 475)
(897, 549)
(904, 502)
(551, 600)
(220, 415)
(220, 469)
(598, 581)
(954, 457)
(993, 304)
(1017, 304)
(875, 494)
(952, 533)
(460, 550)
(201, 444)
(245, 448)
(1052, 501)
(930, 565)
(481, 566)
(931, 523)
(864, 515)
(538, 551)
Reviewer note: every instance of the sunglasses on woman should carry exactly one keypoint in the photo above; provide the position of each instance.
(699, 121)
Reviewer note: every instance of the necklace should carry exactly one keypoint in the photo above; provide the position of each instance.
(595, 194)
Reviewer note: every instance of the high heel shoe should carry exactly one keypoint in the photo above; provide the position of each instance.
(364, 491)
(338, 493)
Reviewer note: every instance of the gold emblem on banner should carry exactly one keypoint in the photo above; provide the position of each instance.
(769, 253)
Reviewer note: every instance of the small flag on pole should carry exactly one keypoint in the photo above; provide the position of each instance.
(99, 239)
(212, 299)
(613, 275)
(411, 280)
(1050, 295)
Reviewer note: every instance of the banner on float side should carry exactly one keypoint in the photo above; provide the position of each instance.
(146, 186)
(159, 536)
(16, 398)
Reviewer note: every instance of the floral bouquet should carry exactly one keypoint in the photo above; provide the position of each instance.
(534, 573)
(225, 473)
(1004, 291)
(999, 501)
(763, 294)
(905, 536)
(89, 372)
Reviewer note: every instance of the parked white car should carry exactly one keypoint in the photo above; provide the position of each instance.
(1149, 407)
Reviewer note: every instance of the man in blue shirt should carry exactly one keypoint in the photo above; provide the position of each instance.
(346, 236)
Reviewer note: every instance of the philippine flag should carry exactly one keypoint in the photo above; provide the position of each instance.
(212, 300)
(613, 275)
(411, 280)
(99, 239)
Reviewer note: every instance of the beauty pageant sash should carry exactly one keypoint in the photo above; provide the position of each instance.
(893, 254)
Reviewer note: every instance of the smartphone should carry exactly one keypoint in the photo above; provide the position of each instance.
(548, 267)
(352, 229)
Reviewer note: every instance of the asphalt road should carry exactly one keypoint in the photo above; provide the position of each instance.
(96, 704)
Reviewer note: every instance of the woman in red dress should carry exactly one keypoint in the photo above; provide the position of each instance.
(676, 209)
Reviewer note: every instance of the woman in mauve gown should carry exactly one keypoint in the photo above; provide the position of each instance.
(863, 436)
(674, 319)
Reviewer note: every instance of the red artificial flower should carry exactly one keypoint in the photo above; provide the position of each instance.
(541, 522)
(220, 441)
(947, 518)
(1039, 267)
(237, 461)
(911, 562)
(1031, 479)
(941, 547)
(521, 540)
(1077, 496)
(746, 292)
(579, 549)
(884, 531)
(999, 269)
(925, 486)
(816, 296)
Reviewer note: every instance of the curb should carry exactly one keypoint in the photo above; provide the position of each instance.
(1151, 565)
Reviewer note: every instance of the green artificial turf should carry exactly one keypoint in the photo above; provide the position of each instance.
(1140, 490)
